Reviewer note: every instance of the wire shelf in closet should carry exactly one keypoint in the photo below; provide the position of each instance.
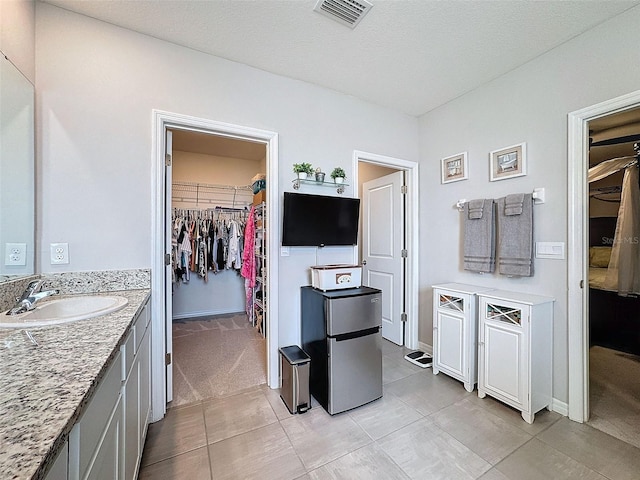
(211, 195)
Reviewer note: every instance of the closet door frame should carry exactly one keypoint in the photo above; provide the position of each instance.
(577, 406)
(162, 121)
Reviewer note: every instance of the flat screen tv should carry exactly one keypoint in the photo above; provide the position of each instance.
(318, 220)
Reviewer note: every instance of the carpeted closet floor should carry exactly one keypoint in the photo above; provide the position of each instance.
(615, 393)
(216, 356)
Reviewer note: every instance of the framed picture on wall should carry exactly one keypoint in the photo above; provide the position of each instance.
(508, 162)
(454, 168)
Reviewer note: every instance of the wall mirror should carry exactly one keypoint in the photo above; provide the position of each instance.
(17, 173)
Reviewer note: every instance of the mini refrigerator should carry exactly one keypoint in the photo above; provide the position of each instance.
(341, 332)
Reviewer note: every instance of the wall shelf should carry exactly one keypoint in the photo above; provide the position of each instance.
(338, 186)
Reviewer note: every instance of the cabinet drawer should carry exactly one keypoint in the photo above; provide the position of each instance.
(140, 325)
(126, 349)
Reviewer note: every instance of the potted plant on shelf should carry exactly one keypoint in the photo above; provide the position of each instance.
(302, 169)
(338, 175)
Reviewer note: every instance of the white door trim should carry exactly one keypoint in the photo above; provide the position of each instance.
(411, 169)
(162, 120)
(577, 297)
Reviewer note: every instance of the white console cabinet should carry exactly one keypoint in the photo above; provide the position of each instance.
(455, 327)
(515, 350)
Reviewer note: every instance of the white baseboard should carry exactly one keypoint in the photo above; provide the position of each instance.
(560, 407)
(425, 348)
(207, 313)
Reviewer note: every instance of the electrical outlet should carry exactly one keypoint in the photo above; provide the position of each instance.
(59, 253)
(15, 254)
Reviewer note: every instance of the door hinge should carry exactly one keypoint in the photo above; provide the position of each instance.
(167, 259)
(167, 359)
(403, 189)
(403, 317)
(167, 160)
(404, 253)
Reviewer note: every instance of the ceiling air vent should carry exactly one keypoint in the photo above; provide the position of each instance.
(346, 12)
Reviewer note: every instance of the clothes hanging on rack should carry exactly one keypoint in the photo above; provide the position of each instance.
(205, 241)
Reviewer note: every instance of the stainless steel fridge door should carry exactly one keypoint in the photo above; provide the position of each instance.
(355, 371)
(352, 314)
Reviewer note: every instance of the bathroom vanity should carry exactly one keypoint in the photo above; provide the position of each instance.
(77, 404)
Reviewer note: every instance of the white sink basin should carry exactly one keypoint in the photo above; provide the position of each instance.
(63, 310)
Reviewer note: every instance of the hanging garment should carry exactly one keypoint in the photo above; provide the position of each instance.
(233, 255)
(248, 270)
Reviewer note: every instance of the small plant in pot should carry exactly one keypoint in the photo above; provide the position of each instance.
(303, 169)
(319, 175)
(338, 175)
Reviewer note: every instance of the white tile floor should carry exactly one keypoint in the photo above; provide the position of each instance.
(425, 427)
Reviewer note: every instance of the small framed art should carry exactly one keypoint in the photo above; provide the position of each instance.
(454, 168)
(508, 162)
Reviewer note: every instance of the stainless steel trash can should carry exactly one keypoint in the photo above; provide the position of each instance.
(295, 379)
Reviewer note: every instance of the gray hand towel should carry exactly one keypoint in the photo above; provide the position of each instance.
(515, 239)
(475, 208)
(513, 204)
(479, 239)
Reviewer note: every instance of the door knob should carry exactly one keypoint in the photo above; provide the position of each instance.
(364, 262)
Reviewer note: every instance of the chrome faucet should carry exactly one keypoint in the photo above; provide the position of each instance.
(30, 297)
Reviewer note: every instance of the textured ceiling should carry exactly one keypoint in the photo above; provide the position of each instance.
(412, 55)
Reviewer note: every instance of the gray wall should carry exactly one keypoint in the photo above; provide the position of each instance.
(530, 104)
(96, 87)
(17, 34)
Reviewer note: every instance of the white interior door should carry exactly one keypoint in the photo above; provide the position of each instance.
(167, 277)
(383, 226)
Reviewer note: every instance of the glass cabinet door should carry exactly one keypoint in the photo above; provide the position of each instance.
(451, 302)
(504, 313)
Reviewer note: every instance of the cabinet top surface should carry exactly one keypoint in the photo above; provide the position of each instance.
(462, 288)
(519, 297)
(345, 292)
(44, 388)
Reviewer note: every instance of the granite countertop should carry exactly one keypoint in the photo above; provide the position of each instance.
(44, 388)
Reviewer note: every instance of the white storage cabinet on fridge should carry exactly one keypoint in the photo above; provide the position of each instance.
(455, 330)
(515, 350)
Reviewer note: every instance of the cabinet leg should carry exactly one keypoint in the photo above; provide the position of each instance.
(528, 417)
(481, 394)
(435, 370)
(469, 387)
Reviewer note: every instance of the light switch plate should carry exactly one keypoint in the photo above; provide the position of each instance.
(554, 250)
(15, 254)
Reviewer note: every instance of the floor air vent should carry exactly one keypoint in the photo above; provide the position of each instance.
(347, 12)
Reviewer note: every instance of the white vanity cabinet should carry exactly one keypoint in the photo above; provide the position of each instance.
(95, 440)
(58, 470)
(108, 440)
(515, 350)
(136, 376)
(455, 327)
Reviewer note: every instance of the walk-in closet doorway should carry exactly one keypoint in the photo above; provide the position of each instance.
(578, 311)
(218, 322)
(165, 125)
(614, 303)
